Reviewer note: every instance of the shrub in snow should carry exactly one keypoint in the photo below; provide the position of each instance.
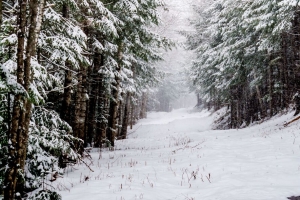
(49, 137)
(49, 140)
(45, 195)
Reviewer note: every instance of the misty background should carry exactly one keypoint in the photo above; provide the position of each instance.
(173, 92)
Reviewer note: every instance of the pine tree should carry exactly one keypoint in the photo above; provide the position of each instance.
(239, 57)
(19, 133)
(137, 46)
(86, 66)
(25, 80)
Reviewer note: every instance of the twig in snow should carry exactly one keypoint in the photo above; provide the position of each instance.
(86, 164)
(208, 177)
(287, 123)
(187, 146)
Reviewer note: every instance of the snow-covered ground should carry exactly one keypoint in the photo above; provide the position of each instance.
(177, 156)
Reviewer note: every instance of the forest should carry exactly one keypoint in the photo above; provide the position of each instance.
(76, 74)
(247, 59)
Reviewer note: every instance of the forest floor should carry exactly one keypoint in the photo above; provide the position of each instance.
(177, 155)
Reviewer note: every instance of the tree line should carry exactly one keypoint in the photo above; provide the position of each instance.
(73, 73)
(247, 59)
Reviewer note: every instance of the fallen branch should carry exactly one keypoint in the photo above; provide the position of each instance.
(86, 164)
(187, 146)
(287, 123)
(86, 153)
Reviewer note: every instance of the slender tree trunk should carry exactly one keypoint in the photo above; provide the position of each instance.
(233, 108)
(121, 113)
(78, 99)
(239, 105)
(143, 106)
(259, 97)
(102, 108)
(138, 109)
(67, 98)
(251, 109)
(282, 91)
(1, 12)
(199, 101)
(126, 117)
(37, 9)
(296, 57)
(285, 69)
(233, 114)
(114, 103)
(246, 111)
(11, 177)
(93, 97)
(22, 105)
(80, 105)
(132, 110)
(81, 99)
(113, 113)
(270, 89)
(282, 67)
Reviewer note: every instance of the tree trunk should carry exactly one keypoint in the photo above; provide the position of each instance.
(252, 108)
(234, 106)
(239, 105)
(93, 97)
(270, 89)
(114, 103)
(102, 107)
(233, 111)
(259, 97)
(126, 117)
(11, 176)
(143, 106)
(132, 111)
(283, 69)
(22, 105)
(81, 99)
(113, 114)
(0, 12)
(67, 98)
(199, 101)
(121, 113)
(295, 36)
(80, 105)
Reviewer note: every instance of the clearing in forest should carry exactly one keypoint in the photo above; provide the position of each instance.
(177, 155)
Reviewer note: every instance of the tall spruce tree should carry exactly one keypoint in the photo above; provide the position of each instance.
(239, 63)
(70, 68)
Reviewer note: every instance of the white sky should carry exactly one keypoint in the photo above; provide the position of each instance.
(177, 17)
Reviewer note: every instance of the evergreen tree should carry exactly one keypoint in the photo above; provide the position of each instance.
(239, 63)
(71, 72)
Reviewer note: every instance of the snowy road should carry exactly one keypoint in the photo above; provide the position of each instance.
(177, 156)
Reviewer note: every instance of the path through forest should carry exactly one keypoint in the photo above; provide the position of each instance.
(177, 156)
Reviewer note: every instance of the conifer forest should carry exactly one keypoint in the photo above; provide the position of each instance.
(78, 75)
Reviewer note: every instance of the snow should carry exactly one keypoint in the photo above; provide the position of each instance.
(178, 156)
